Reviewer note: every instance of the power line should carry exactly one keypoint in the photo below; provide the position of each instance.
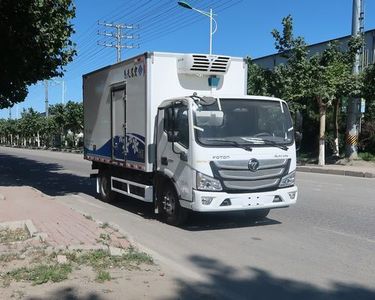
(85, 48)
(153, 34)
(155, 27)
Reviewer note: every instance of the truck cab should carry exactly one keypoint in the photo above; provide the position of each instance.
(224, 154)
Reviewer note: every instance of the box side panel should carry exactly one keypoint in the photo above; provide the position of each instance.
(97, 121)
(97, 87)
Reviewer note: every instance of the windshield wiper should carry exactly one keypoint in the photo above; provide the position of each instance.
(272, 143)
(247, 147)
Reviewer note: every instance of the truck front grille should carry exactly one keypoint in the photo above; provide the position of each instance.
(236, 176)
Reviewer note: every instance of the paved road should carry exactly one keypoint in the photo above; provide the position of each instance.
(321, 248)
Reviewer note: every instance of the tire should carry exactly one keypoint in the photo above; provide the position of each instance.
(169, 207)
(105, 193)
(258, 214)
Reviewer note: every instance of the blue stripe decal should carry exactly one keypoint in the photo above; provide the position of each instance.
(135, 146)
(105, 150)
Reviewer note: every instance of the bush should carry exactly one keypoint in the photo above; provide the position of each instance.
(367, 137)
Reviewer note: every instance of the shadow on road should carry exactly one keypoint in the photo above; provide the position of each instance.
(196, 221)
(225, 220)
(49, 178)
(134, 206)
(53, 180)
(68, 293)
(224, 283)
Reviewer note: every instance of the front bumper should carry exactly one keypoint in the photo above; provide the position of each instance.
(244, 201)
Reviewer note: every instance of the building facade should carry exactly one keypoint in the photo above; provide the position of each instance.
(367, 57)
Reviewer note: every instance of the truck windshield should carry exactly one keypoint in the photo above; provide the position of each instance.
(247, 122)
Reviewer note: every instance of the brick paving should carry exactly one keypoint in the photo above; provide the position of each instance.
(62, 226)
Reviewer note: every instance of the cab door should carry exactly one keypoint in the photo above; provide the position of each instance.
(173, 158)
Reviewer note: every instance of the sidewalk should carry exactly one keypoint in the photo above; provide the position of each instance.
(45, 254)
(354, 168)
(56, 225)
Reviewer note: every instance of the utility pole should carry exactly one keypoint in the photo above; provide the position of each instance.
(63, 91)
(118, 35)
(10, 113)
(46, 96)
(353, 119)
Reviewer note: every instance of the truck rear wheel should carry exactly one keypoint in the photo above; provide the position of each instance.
(169, 206)
(106, 195)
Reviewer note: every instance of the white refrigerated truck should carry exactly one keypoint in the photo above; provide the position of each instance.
(179, 131)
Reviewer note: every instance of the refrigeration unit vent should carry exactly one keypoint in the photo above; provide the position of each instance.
(203, 64)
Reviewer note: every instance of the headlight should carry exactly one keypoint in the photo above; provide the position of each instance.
(288, 180)
(207, 183)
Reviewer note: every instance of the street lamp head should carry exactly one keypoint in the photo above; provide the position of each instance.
(184, 4)
(205, 13)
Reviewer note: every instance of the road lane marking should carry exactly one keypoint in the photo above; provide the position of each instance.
(345, 234)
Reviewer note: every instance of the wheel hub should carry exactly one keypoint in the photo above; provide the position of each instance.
(168, 203)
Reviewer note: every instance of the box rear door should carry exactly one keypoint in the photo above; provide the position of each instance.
(118, 102)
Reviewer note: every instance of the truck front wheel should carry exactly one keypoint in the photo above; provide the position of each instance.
(106, 195)
(169, 206)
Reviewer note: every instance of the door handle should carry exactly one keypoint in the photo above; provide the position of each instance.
(164, 161)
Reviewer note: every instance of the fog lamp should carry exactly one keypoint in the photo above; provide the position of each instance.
(206, 200)
(292, 195)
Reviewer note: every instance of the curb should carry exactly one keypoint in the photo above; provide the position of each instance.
(28, 225)
(75, 151)
(335, 172)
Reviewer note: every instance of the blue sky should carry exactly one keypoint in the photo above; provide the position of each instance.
(243, 30)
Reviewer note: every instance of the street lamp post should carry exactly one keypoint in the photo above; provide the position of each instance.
(205, 13)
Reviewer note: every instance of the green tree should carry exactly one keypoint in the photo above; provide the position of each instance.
(367, 136)
(35, 45)
(285, 41)
(3, 136)
(48, 130)
(30, 125)
(327, 71)
(290, 79)
(259, 80)
(368, 87)
(58, 112)
(9, 131)
(311, 82)
(74, 118)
